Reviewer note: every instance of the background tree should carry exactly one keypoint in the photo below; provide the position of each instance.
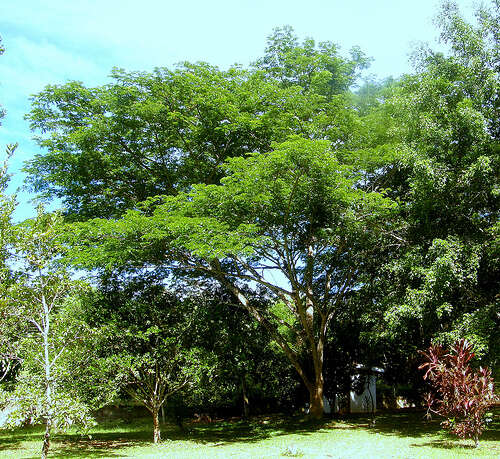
(314, 68)
(249, 372)
(143, 348)
(9, 329)
(442, 282)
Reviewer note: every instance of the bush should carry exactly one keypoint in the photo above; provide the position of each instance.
(459, 393)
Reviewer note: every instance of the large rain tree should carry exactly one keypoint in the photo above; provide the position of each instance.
(146, 134)
(293, 221)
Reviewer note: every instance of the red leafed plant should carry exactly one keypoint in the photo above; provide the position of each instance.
(460, 394)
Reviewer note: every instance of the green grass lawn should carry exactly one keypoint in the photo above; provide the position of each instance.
(401, 435)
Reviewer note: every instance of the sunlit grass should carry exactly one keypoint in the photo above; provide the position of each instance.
(401, 435)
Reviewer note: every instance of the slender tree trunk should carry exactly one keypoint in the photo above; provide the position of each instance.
(246, 405)
(46, 439)
(156, 426)
(48, 379)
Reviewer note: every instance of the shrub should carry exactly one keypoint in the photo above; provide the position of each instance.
(459, 393)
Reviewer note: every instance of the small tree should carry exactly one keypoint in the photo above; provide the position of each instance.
(142, 352)
(36, 298)
(460, 394)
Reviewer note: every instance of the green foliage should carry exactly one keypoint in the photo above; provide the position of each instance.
(142, 346)
(245, 360)
(295, 192)
(317, 69)
(442, 280)
(295, 210)
(29, 405)
(10, 329)
(376, 210)
(146, 134)
(36, 303)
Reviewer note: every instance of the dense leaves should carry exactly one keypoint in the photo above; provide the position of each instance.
(442, 282)
(295, 211)
(147, 134)
(143, 348)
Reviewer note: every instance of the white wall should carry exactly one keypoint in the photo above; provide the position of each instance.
(363, 403)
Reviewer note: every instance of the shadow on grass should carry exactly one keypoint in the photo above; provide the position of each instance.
(414, 425)
(9, 443)
(443, 444)
(109, 443)
(108, 439)
(102, 444)
(254, 430)
(411, 424)
(12, 439)
(92, 448)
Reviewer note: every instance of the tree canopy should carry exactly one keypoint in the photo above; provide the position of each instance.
(145, 134)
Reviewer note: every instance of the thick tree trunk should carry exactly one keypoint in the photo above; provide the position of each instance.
(156, 427)
(316, 406)
(305, 313)
(316, 409)
(46, 439)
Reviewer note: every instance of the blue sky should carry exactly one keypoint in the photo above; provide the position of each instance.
(53, 41)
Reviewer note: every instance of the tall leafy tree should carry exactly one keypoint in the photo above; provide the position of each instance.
(295, 211)
(443, 280)
(168, 132)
